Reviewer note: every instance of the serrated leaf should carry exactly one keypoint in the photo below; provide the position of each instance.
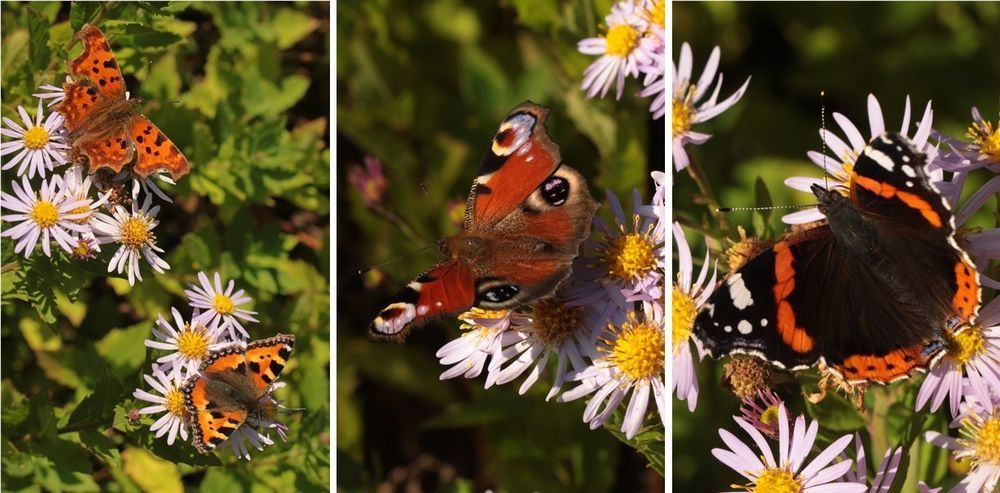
(81, 13)
(38, 44)
(290, 26)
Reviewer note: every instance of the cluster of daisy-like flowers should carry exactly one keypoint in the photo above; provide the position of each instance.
(633, 46)
(967, 375)
(605, 327)
(67, 207)
(217, 322)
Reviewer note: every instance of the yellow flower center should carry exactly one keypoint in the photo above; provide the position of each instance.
(982, 436)
(45, 214)
(82, 249)
(682, 321)
(192, 343)
(638, 351)
(987, 138)
(83, 209)
(965, 345)
(174, 402)
(36, 138)
(630, 255)
(769, 416)
(777, 481)
(683, 111)
(135, 232)
(222, 304)
(621, 40)
(553, 321)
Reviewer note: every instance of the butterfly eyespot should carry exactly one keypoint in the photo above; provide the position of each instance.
(500, 294)
(555, 190)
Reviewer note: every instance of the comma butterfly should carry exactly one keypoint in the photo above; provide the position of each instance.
(234, 384)
(105, 128)
(525, 217)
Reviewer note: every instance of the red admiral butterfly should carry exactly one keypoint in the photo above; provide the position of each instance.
(525, 217)
(870, 291)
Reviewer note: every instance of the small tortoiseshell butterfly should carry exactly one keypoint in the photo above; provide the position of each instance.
(525, 217)
(234, 384)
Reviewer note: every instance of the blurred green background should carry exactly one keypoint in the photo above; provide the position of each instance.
(945, 52)
(422, 86)
(243, 89)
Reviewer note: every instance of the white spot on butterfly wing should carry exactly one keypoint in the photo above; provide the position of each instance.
(744, 327)
(396, 324)
(909, 183)
(728, 328)
(880, 158)
(738, 292)
(520, 126)
(763, 322)
(908, 170)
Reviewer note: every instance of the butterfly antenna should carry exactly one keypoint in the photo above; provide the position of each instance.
(362, 272)
(822, 121)
(762, 208)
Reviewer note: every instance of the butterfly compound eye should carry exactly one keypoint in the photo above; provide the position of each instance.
(555, 190)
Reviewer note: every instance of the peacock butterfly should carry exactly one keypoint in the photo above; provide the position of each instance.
(525, 217)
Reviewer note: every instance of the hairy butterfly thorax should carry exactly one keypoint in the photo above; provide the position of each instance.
(871, 292)
(525, 218)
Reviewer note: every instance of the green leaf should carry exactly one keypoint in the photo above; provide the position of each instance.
(537, 15)
(290, 26)
(122, 348)
(140, 36)
(38, 28)
(81, 13)
(150, 472)
(98, 408)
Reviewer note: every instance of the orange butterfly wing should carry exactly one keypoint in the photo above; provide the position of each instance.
(155, 150)
(80, 101)
(110, 151)
(98, 64)
(267, 357)
(210, 423)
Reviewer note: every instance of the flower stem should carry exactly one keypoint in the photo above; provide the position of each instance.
(709, 197)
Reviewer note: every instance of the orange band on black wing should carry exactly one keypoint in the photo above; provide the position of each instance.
(912, 200)
(267, 357)
(967, 296)
(793, 336)
(885, 368)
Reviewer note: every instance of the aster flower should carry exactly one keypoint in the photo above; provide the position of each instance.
(552, 328)
(789, 472)
(46, 215)
(148, 185)
(628, 360)
(979, 426)
(222, 307)
(87, 247)
(763, 416)
(687, 110)
(624, 265)
(134, 232)
(190, 342)
(982, 151)
(886, 472)
(974, 352)
(169, 401)
(41, 145)
(622, 50)
(688, 297)
(839, 167)
(370, 182)
(55, 93)
(76, 184)
(481, 333)
(654, 81)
